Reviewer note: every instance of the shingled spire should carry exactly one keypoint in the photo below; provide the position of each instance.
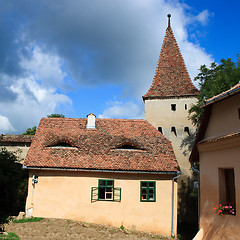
(171, 77)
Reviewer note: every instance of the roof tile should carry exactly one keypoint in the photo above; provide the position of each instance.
(97, 148)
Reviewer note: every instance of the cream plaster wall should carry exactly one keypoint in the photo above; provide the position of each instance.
(66, 194)
(158, 112)
(214, 155)
(216, 226)
(20, 151)
(224, 118)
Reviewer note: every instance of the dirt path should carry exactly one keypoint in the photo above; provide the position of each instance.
(59, 229)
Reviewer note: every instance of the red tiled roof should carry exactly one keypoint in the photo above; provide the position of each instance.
(233, 90)
(16, 138)
(214, 139)
(171, 77)
(98, 148)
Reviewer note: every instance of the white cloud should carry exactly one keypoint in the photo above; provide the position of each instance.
(46, 67)
(120, 109)
(36, 96)
(5, 125)
(203, 17)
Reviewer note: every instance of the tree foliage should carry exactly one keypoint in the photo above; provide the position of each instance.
(13, 186)
(212, 81)
(56, 115)
(30, 131)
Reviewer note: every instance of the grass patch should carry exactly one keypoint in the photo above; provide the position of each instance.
(10, 236)
(24, 220)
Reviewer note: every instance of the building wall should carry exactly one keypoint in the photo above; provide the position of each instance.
(20, 151)
(223, 153)
(218, 226)
(224, 118)
(158, 112)
(67, 194)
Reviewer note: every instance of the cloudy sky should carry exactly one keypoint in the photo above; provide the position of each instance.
(78, 56)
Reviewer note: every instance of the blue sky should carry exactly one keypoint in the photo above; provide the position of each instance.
(78, 57)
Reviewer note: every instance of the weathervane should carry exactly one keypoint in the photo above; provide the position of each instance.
(169, 16)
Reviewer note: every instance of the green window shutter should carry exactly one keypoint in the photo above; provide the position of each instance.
(94, 194)
(117, 195)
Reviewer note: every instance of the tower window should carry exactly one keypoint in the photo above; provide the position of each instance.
(173, 130)
(160, 130)
(185, 106)
(186, 130)
(173, 107)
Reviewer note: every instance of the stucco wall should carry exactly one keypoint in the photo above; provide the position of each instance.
(65, 194)
(158, 112)
(216, 226)
(224, 118)
(223, 153)
(20, 151)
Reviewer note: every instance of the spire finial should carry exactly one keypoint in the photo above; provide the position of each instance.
(169, 16)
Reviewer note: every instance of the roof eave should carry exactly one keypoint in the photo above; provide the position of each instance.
(99, 170)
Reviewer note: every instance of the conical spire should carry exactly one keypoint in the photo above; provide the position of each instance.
(171, 77)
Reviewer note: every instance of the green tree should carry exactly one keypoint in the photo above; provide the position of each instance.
(13, 186)
(213, 81)
(30, 131)
(55, 115)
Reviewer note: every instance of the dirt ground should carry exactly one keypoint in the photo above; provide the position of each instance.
(56, 229)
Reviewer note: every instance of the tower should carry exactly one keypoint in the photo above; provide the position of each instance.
(170, 97)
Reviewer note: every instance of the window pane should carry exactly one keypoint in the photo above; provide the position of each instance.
(110, 183)
(144, 191)
(144, 184)
(108, 195)
(151, 184)
(101, 193)
(144, 197)
(102, 183)
(151, 197)
(108, 189)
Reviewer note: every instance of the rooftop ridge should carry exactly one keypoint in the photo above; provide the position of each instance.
(171, 76)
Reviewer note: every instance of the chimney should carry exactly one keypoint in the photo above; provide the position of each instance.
(91, 121)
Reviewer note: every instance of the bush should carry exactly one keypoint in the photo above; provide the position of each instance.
(13, 186)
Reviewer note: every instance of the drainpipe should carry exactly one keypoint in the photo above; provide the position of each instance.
(198, 174)
(178, 175)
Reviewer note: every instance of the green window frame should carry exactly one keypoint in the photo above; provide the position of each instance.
(148, 191)
(105, 191)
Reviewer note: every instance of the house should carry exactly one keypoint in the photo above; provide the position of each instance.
(217, 150)
(117, 172)
(19, 144)
(170, 97)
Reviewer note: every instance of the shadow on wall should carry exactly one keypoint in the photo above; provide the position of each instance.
(187, 209)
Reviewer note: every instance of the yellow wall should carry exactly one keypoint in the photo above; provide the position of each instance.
(67, 194)
(223, 153)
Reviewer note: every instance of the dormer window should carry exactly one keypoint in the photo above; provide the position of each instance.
(62, 145)
(128, 146)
